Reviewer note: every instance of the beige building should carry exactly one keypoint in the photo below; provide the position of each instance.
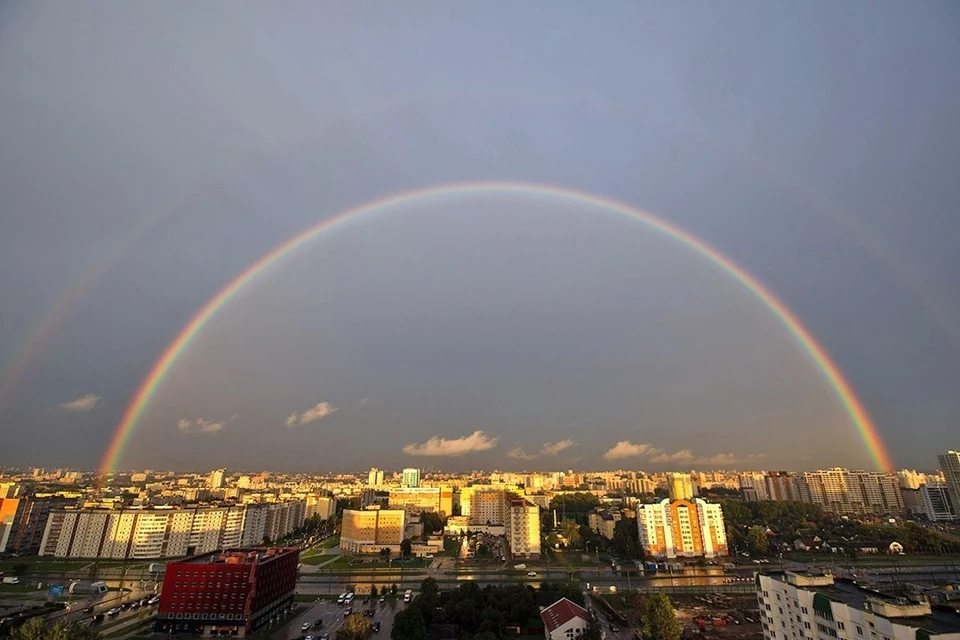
(604, 522)
(370, 530)
(680, 486)
(415, 500)
(522, 528)
(484, 504)
(682, 528)
(844, 491)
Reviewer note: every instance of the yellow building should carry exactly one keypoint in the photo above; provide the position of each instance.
(8, 512)
(682, 528)
(415, 500)
(370, 530)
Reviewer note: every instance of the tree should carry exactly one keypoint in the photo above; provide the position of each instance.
(659, 619)
(571, 531)
(393, 589)
(757, 540)
(355, 627)
(385, 552)
(432, 522)
(406, 547)
(429, 588)
(409, 625)
(626, 539)
(592, 632)
(38, 629)
(373, 591)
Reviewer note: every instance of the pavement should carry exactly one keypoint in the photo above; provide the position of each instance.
(332, 615)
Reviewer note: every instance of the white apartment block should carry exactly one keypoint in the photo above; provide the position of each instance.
(682, 528)
(844, 491)
(484, 504)
(801, 607)
(937, 503)
(166, 532)
(950, 466)
(522, 528)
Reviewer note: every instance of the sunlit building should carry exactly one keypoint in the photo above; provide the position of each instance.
(682, 528)
(522, 528)
(410, 477)
(370, 530)
(415, 500)
(680, 486)
(950, 466)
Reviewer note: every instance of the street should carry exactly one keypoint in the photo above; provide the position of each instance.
(332, 615)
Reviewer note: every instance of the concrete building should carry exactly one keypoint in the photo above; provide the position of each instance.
(843, 491)
(229, 593)
(415, 500)
(483, 504)
(370, 530)
(783, 486)
(323, 507)
(680, 486)
(216, 479)
(937, 503)
(522, 528)
(604, 521)
(682, 528)
(950, 466)
(410, 477)
(565, 620)
(8, 515)
(753, 486)
(821, 608)
(30, 522)
(375, 478)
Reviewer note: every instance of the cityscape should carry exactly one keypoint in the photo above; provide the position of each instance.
(488, 320)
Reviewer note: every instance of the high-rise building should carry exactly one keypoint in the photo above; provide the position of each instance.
(843, 491)
(937, 503)
(950, 466)
(370, 530)
(410, 478)
(216, 479)
(230, 592)
(682, 528)
(680, 486)
(375, 477)
(810, 606)
(753, 486)
(415, 500)
(522, 528)
(782, 486)
(910, 479)
(8, 515)
(483, 504)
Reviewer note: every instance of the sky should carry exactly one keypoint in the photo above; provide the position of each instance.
(150, 152)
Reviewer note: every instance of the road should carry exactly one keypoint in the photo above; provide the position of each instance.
(332, 615)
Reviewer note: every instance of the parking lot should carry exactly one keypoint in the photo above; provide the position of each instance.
(332, 616)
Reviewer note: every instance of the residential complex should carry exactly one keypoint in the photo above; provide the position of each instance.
(682, 528)
(950, 465)
(231, 592)
(847, 492)
(410, 478)
(415, 500)
(522, 528)
(818, 607)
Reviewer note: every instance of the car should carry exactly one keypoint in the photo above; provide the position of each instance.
(325, 636)
(383, 599)
(614, 628)
(376, 626)
(532, 574)
(305, 626)
(318, 622)
(97, 619)
(88, 609)
(114, 612)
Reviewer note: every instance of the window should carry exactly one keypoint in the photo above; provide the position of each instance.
(859, 630)
(804, 610)
(781, 610)
(806, 625)
(839, 625)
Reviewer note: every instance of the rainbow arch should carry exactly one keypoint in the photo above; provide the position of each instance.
(818, 355)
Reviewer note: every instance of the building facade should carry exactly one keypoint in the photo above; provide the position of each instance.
(950, 466)
(682, 528)
(936, 502)
(415, 500)
(410, 477)
(565, 620)
(680, 486)
(522, 529)
(232, 592)
(805, 607)
(843, 491)
(370, 530)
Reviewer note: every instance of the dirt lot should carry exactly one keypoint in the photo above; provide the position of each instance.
(720, 616)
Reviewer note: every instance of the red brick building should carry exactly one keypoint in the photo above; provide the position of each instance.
(227, 593)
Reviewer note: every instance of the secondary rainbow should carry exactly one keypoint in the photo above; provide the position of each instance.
(844, 392)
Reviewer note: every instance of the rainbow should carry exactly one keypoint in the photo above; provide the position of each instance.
(844, 392)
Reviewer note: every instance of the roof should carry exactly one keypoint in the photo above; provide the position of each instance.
(252, 555)
(561, 612)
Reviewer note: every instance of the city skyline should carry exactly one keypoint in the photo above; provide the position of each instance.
(721, 239)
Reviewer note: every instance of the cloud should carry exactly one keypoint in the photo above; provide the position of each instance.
(517, 453)
(656, 455)
(554, 448)
(318, 411)
(627, 449)
(82, 404)
(364, 401)
(437, 446)
(201, 425)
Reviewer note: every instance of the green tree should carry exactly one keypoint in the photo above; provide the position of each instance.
(38, 629)
(409, 625)
(429, 588)
(432, 522)
(757, 541)
(393, 589)
(373, 591)
(571, 531)
(592, 632)
(355, 627)
(659, 619)
(626, 539)
(406, 547)
(385, 552)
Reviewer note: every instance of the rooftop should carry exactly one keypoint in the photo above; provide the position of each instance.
(252, 555)
(561, 612)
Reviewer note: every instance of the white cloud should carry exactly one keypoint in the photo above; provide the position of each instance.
(554, 448)
(517, 453)
(364, 401)
(437, 446)
(627, 449)
(317, 412)
(82, 404)
(201, 425)
(683, 455)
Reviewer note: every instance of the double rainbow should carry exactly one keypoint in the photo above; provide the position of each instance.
(803, 337)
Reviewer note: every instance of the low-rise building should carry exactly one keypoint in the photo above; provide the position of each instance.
(371, 530)
(565, 620)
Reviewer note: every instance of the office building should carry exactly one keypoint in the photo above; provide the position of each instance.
(370, 530)
(682, 528)
(950, 466)
(216, 479)
(522, 528)
(811, 607)
(416, 500)
(231, 593)
(375, 478)
(680, 486)
(410, 478)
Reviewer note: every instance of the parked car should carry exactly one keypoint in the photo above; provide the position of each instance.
(305, 626)
(114, 612)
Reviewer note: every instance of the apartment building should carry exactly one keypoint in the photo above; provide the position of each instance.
(483, 504)
(936, 503)
(680, 486)
(415, 500)
(818, 607)
(522, 528)
(950, 466)
(370, 530)
(682, 528)
(843, 491)
(604, 521)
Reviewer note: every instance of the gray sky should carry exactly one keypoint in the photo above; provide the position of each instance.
(151, 152)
